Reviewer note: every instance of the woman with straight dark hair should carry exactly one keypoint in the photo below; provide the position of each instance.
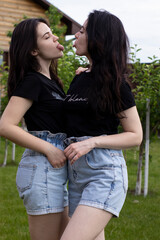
(98, 100)
(35, 93)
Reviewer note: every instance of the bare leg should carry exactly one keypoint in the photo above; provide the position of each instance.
(64, 221)
(87, 223)
(47, 227)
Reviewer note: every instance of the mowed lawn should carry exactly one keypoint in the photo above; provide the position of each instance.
(139, 218)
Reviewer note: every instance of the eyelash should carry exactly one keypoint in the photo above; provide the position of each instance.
(81, 31)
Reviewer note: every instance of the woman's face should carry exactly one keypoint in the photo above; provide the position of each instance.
(47, 43)
(81, 43)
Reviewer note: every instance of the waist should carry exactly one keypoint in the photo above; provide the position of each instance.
(47, 135)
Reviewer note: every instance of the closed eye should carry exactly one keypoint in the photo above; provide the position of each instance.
(47, 36)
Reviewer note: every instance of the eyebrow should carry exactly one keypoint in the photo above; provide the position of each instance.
(45, 34)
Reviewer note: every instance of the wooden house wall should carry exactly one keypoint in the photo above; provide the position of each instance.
(12, 11)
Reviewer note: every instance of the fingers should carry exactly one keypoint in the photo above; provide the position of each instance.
(74, 159)
(57, 159)
(60, 163)
(80, 69)
(72, 153)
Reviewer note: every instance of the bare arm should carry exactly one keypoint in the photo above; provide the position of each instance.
(131, 136)
(9, 129)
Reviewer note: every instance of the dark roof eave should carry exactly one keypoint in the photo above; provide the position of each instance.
(45, 4)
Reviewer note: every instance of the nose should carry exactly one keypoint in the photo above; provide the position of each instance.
(77, 35)
(55, 38)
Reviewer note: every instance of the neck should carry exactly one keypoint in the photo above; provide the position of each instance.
(44, 67)
(45, 73)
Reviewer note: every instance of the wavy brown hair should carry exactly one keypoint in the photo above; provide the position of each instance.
(108, 48)
(23, 42)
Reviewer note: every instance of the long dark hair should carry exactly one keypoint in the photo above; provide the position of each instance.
(108, 48)
(23, 42)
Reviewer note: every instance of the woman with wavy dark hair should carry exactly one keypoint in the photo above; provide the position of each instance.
(36, 93)
(98, 100)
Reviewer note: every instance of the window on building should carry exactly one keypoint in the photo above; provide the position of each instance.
(1, 59)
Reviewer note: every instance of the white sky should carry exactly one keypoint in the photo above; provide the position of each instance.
(141, 19)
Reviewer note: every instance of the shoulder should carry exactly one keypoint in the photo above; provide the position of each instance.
(32, 76)
(125, 86)
(30, 87)
(79, 83)
(81, 78)
(127, 96)
(32, 79)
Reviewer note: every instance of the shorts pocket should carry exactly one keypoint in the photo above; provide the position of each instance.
(125, 178)
(25, 176)
(99, 159)
(51, 168)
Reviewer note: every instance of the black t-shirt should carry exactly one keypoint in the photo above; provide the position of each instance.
(81, 120)
(46, 112)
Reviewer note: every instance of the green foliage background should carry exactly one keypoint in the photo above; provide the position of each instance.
(146, 78)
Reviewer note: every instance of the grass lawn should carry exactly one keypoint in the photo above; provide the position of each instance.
(139, 218)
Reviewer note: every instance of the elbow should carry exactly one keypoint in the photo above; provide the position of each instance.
(138, 143)
(3, 128)
(139, 139)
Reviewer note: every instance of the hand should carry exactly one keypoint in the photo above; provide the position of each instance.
(78, 149)
(56, 157)
(80, 70)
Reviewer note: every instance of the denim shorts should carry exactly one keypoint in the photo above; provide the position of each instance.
(42, 187)
(98, 179)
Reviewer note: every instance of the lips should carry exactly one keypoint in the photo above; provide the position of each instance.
(74, 44)
(60, 47)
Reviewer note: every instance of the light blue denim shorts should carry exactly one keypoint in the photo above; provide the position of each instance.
(98, 179)
(42, 187)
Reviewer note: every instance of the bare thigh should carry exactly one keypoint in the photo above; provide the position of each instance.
(64, 220)
(48, 226)
(87, 223)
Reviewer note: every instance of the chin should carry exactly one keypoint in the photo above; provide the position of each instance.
(60, 54)
(78, 53)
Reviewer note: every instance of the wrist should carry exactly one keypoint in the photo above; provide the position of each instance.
(92, 142)
(47, 148)
(98, 142)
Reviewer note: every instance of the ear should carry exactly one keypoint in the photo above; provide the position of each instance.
(34, 53)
